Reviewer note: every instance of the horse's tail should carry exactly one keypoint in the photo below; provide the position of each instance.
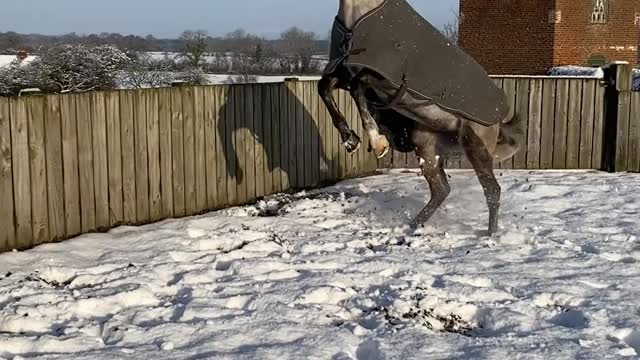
(510, 139)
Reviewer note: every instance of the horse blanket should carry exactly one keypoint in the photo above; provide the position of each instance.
(396, 42)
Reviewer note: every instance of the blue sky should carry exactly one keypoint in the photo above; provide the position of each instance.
(167, 18)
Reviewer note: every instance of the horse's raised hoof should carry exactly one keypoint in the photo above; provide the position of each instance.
(353, 143)
(381, 146)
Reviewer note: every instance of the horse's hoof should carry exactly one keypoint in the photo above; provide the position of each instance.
(353, 143)
(381, 147)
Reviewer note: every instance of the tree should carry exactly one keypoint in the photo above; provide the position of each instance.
(146, 72)
(297, 48)
(194, 46)
(451, 29)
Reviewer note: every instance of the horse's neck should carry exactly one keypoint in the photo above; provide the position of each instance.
(352, 10)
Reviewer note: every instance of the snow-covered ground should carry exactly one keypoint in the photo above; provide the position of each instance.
(332, 274)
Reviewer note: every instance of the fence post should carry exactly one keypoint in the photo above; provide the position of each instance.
(617, 102)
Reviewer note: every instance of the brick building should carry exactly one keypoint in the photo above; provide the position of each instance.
(530, 36)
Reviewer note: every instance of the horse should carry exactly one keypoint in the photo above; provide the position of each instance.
(398, 119)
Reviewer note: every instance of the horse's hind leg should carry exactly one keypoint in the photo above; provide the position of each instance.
(433, 170)
(378, 142)
(482, 162)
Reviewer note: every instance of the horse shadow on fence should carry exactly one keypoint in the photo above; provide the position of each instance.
(271, 140)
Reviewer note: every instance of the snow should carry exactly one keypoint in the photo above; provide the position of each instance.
(6, 60)
(572, 70)
(334, 274)
(224, 79)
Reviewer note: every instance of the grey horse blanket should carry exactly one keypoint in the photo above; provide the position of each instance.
(396, 42)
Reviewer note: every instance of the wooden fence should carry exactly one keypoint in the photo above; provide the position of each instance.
(79, 163)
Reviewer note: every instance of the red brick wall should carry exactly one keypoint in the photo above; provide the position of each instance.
(516, 36)
(577, 38)
(508, 36)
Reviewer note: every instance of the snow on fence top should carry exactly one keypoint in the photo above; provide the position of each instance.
(571, 70)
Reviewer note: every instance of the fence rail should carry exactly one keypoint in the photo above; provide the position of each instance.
(78, 163)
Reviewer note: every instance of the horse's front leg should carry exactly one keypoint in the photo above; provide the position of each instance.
(378, 142)
(326, 86)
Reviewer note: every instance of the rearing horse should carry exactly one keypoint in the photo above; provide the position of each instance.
(419, 94)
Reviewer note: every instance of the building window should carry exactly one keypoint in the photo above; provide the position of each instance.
(599, 11)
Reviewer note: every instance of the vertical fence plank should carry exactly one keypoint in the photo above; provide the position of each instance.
(560, 124)
(598, 127)
(238, 144)
(7, 228)
(451, 163)
(336, 143)
(622, 145)
(128, 156)
(522, 109)
(260, 118)
(345, 156)
(304, 95)
(533, 134)
(586, 124)
(200, 150)
(276, 142)
(285, 140)
(546, 126)
(248, 132)
(499, 81)
(315, 133)
(114, 147)
(166, 151)
(272, 158)
(510, 89)
(242, 94)
(414, 162)
(141, 159)
(222, 140)
(153, 149)
(210, 126)
(624, 81)
(573, 124)
(633, 161)
(323, 123)
(70, 165)
(299, 121)
(85, 157)
(255, 152)
(292, 135)
(356, 125)
(38, 166)
(100, 159)
(231, 144)
(264, 185)
(177, 153)
(21, 177)
(55, 177)
(188, 110)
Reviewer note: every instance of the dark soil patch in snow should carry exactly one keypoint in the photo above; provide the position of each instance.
(276, 205)
(426, 317)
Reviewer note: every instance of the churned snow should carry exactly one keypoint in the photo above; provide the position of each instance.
(334, 274)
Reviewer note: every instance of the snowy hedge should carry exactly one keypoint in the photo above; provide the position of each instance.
(66, 68)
